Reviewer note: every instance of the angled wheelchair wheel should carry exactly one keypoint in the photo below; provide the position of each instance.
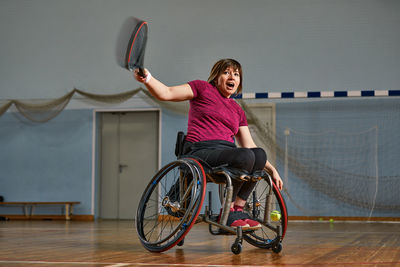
(170, 204)
(267, 206)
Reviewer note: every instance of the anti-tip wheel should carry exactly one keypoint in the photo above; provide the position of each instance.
(180, 243)
(236, 248)
(277, 248)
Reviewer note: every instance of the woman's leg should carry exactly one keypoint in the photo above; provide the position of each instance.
(259, 164)
(246, 159)
(240, 158)
(247, 187)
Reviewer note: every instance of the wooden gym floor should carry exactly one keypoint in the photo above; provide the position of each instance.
(115, 243)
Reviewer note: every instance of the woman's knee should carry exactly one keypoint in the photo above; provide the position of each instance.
(245, 158)
(248, 159)
(240, 158)
(259, 153)
(260, 158)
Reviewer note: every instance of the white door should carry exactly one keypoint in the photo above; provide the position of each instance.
(129, 157)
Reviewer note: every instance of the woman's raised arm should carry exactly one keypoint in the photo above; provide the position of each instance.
(161, 91)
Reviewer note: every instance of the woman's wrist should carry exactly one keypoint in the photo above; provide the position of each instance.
(148, 77)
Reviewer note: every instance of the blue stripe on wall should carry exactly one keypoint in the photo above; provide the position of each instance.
(261, 95)
(340, 94)
(313, 94)
(394, 92)
(318, 94)
(287, 95)
(367, 93)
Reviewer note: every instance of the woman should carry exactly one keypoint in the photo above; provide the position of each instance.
(215, 122)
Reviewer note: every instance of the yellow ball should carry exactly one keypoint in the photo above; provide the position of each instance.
(275, 215)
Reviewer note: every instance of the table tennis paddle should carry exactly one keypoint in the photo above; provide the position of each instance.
(131, 44)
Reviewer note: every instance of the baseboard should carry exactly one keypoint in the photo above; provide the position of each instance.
(84, 217)
(77, 217)
(343, 218)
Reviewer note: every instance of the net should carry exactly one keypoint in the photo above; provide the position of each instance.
(336, 157)
(44, 110)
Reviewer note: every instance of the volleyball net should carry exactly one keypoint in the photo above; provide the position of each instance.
(337, 153)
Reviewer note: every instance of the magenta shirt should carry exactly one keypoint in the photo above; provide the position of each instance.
(212, 116)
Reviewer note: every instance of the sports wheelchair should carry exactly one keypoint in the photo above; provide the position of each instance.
(173, 199)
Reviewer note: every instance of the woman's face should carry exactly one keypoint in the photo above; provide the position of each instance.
(228, 81)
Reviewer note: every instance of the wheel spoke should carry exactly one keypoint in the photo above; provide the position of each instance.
(268, 234)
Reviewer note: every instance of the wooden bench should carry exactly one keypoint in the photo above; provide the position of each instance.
(30, 205)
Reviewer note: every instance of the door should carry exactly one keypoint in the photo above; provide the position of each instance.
(263, 114)
(129, 157)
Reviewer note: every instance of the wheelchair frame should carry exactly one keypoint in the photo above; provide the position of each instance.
(171, 204)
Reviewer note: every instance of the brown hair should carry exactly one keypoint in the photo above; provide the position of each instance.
(220, 66)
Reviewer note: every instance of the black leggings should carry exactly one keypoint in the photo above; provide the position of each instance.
(217, 153)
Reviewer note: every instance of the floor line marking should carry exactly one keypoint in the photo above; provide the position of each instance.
(110, 264)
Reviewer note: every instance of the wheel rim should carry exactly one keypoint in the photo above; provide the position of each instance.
(157, 229)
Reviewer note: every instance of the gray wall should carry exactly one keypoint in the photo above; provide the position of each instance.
(49, 47)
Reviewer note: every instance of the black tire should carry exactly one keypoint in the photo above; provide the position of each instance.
(277, 248)
(236, 248)
(166, 213)
(272, 231)
(181, 243)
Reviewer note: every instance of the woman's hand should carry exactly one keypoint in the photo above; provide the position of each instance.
(278, 180)
(274, 174)
(140, 78)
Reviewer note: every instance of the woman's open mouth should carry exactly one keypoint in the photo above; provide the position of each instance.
(230, 85)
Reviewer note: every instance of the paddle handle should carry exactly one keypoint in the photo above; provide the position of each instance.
(141, 72)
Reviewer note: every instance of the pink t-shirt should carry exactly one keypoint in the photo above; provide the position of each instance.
(212, 116)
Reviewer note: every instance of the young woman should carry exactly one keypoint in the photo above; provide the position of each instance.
(215, 122)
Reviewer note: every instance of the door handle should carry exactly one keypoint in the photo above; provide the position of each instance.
(121, 167)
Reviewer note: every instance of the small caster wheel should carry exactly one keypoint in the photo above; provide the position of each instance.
(236, 248)
(277, 248)
(180, 243)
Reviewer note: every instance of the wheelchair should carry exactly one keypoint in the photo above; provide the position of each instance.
(173, 199)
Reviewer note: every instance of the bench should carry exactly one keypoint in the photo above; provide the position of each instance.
(29, 205)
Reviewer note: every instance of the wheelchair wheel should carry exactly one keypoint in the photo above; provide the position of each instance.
(170, 204)
(267, 206)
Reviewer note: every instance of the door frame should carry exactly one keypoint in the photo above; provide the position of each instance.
(96, 150)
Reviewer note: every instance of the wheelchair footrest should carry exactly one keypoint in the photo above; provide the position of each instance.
(223, 232)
